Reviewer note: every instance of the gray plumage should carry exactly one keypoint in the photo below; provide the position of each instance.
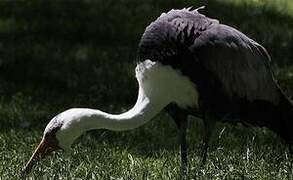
(231, 71)
(239, 63)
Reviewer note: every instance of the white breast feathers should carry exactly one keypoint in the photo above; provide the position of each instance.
(165, 84)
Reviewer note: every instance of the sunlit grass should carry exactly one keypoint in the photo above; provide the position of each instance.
(284, 7)
(149, 152)
(152, 152)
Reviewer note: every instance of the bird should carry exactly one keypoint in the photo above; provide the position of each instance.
(187, 64)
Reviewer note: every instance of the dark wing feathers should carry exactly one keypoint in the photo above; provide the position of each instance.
(240, 65)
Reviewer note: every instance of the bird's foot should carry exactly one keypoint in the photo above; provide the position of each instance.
(204, 153)
(183, 173)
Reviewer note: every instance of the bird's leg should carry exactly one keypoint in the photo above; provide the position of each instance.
(209, 124)
(183, 146)
(289, 157)
(180, 118)
(290, 149)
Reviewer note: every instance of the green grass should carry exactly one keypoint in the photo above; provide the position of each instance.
(279, 6)
(151, 152)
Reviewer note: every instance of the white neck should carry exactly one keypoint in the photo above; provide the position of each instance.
(144, 110)
(159, 85)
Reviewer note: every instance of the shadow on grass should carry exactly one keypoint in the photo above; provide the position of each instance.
(83, 47)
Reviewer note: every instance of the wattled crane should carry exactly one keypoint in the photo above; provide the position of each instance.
(188, 64)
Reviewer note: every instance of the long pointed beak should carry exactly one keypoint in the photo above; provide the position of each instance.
(41, 151)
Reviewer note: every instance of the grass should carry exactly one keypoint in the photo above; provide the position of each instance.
(149, 152)
(280, 6)
(55, 66)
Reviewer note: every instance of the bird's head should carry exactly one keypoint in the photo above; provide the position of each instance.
(59, 133)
